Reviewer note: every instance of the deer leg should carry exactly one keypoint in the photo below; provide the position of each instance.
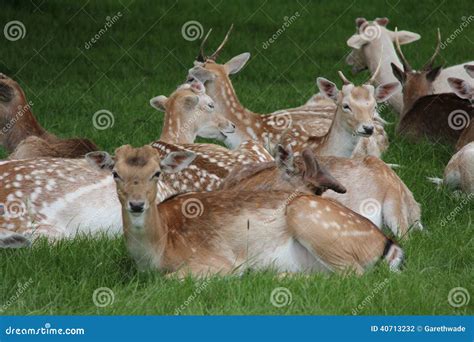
(9, 239)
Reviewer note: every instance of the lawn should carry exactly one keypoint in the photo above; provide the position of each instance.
(143, 54)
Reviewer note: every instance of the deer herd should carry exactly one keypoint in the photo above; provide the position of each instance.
(301, 189)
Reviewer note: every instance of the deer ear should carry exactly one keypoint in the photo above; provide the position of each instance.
(382, 21)
(285, 157)
(328, 88)
(201, 74)
(356, 41)
(237, 63)
(177, 161)
(318, 176)
(385, 91)
(100, 160)
(460, 87)
(433, 73)
(470, 69)
(359, 21)
(405, 37)
(159, 102)
(398, 73)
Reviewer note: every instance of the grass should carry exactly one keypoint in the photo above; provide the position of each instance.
(143, 55)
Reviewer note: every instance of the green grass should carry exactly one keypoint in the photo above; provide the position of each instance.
(144, 55)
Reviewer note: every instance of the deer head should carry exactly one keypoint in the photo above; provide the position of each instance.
(462, 88)
(416, 83)
(356, 104)
(373, 34)
(189, 112)
(136, 172)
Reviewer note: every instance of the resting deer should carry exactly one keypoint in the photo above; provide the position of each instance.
(63, 197)
(426, 114)
(372, 40)
(464, 90)
(22, 135)
(231, 231)
(296, 124)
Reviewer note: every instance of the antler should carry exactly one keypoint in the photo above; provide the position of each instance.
(405, 63)
(429, 64)
(216, 53)
(343, 78)
(377, 70)
(202, 57)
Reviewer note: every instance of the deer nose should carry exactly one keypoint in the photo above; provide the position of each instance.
(368, 129)
(136, 207)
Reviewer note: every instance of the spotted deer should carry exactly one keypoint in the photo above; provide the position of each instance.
(63, 197)
(425, 114)
(380, 195)
(297, 124)
(22, 135)
(372, 40)
(227, 232)
(464, 90)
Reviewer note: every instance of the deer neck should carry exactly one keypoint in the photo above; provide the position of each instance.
(177, 132)
(338, 142)
(145, 237)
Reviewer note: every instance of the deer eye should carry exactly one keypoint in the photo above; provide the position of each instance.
(115, 175)
(211, 105)
(157, 174)
(346, 107)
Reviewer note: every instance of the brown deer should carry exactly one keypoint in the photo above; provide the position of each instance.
(464, 90)
(297, 124)
(425, 114)
(22, 135)
(230, 231)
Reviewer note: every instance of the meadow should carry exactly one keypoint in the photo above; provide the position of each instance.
(143, 53)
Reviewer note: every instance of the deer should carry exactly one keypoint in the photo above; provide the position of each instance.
(425, 114)
(231, 231)
(298, 124)
(22, 135)
(372, 40)
(464, 90)
(61, 198)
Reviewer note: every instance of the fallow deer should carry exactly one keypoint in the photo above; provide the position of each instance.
(425, 114)
(298, 124)
(464, 90)
(22, 135)
(372, 40)
(231, 231)
(62, 197)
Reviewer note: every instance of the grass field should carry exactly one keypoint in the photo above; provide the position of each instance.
(144, 54)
